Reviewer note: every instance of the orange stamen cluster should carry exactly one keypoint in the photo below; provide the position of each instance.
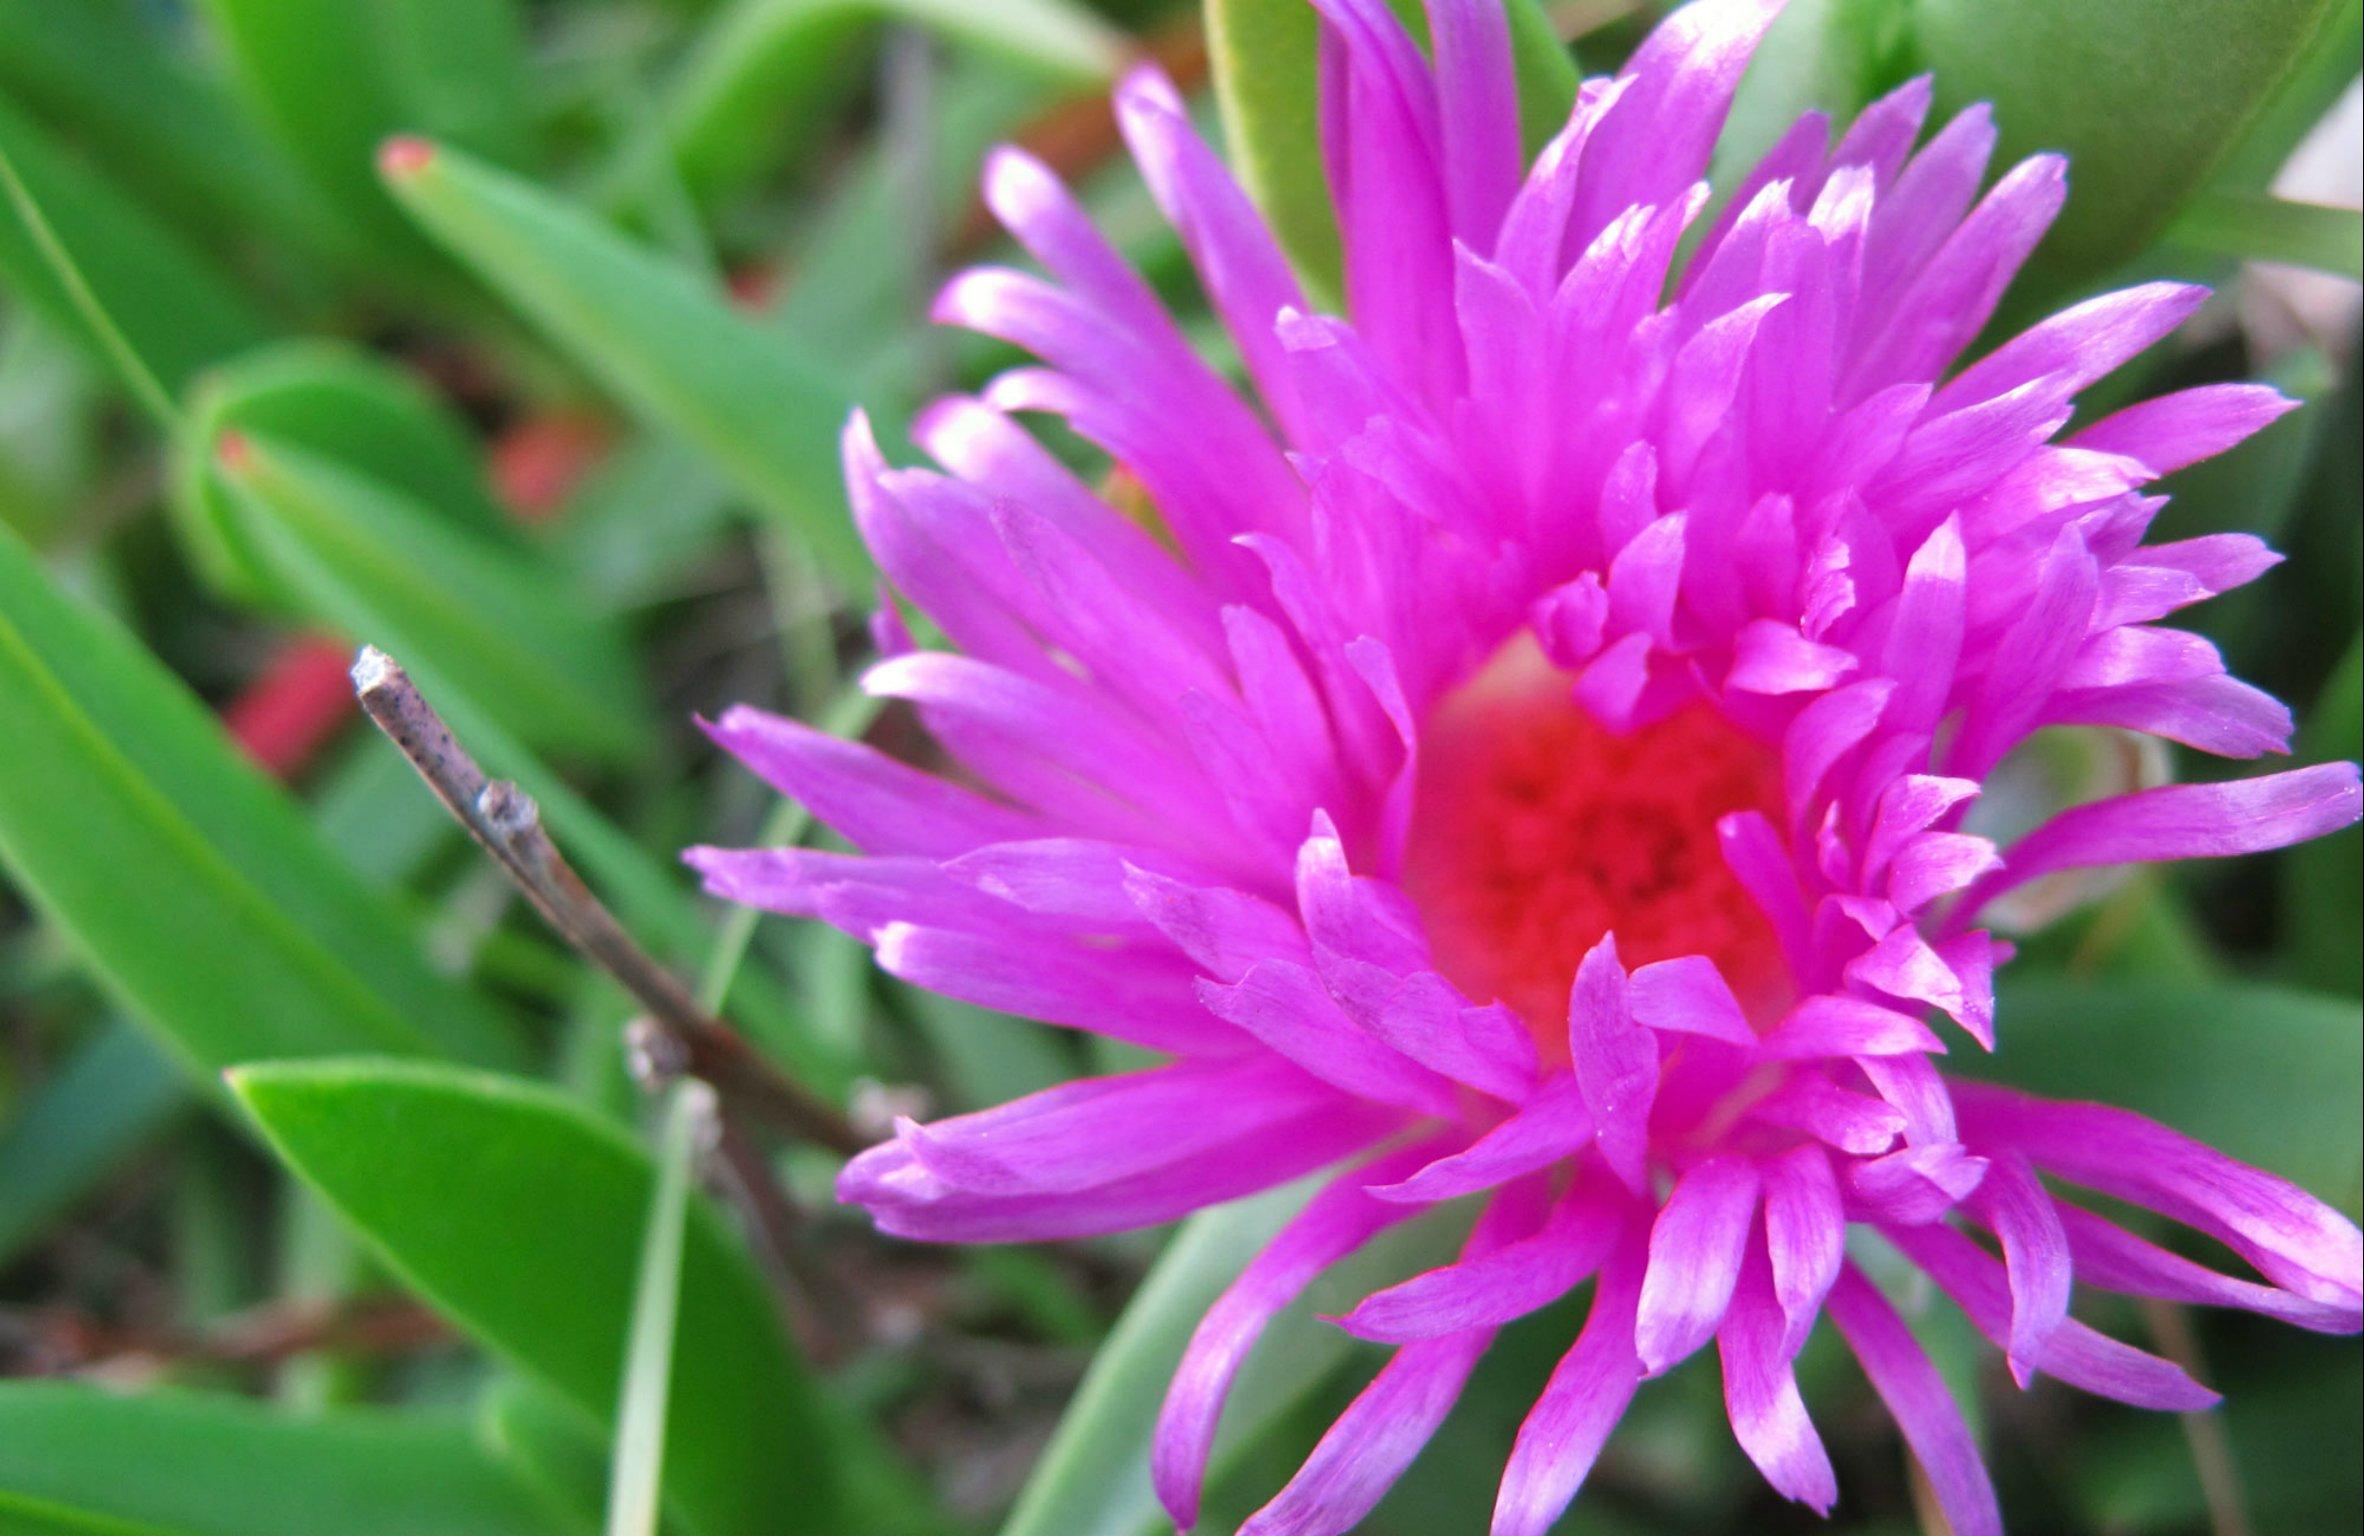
(1536, 830)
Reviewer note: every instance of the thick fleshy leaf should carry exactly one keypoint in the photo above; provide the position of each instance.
(2145, 99)
(175, 308)
(342, 403)
(366, 557)
(758, 80)
(249, 940)
(651, 331)
(536, 1259)
(2266, 1075)
(330, 78)
(77, 1460)
(1265, 74)
(172, 133)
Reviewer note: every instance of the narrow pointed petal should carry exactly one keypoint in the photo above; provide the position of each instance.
(1922, 1406)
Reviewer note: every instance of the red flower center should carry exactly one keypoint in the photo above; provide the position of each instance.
(1535, 830)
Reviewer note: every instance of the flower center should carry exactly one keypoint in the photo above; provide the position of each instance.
(1535, 830)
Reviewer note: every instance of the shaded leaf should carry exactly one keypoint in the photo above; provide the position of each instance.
(103, 68)
(339, 402)
(2323, 881)
(366, 559)
(98, 1107)
(332, 78)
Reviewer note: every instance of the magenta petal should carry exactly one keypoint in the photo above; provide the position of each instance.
(1833, 1025)
(2184, 821)
(1616, 1060)
(1916, 1395)
(1695, 1252)
(2014, 1204)
(1284, 1006)
(1805, 1235)
(2073, 1353)
(2109, 1256)
(1689, 996)
(1079, 1134)
(1338, 1221)
(2296, 1240)
(1919, 1184)
(877, 803)
(1548, 1127)
(1586, 1396)
(2193, 424)
(1761, 1392)
(1838, 1117)
(908, 1201)
(1502, 1285)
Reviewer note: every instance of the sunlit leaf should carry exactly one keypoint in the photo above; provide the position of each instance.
(655, 333)
(76, 1459)
(764, 71)
(1263, 55)
(2146, 99)
(186, 880)
(518, 1214)
(174, 307)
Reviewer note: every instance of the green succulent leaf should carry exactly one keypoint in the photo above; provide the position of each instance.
(763, 73)
(107, 72)
(493, 623)
(186, 880)
(172, 305)
(2323, 881)
(518, 1214)
(1263, 53)
(2269, 1075)
(654, 332)
(2146, 99)
(76, 1461)
(343, 404)
(331, 79)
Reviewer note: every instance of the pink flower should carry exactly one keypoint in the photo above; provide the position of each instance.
(1529, 755)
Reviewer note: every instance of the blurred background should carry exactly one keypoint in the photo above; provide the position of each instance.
(546, 405)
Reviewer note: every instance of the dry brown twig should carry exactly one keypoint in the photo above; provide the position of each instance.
(504, 820)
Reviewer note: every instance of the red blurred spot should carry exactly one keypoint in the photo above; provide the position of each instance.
(755, 285)
(1535, 830)
(232, 451)
(537, 463)
(404, 155)
(295, 706)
